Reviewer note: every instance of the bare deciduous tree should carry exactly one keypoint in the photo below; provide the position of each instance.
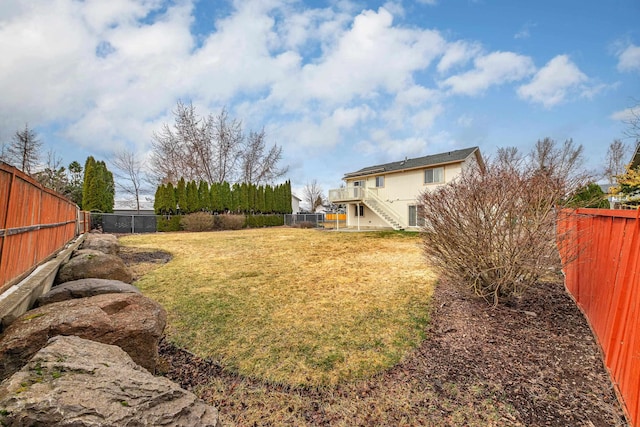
(615, 160)
(53, 175)
(257, 166)
(24, 150)
(561, 166)
(4, 157)
(313, 195)
(212, 149)
(129, 171)
(227, 142)
(493, 229)
(633, 121)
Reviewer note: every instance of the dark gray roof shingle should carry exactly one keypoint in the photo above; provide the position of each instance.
(432, 160)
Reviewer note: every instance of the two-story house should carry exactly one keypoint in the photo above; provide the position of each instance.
(386, 196)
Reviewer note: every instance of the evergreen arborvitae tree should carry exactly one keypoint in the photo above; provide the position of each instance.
(268, 199)
(260, 199)
(98, 189)
(279, 199)
(204, 201)
(169, 200)
(225, 196)
(235, 198)
(158, 200)
(287, 198)
(181, 196)
(192, 197)
(88, 197)
(214, 197)
(107, 188)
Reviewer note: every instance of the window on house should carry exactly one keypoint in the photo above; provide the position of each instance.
(359, 210)
(379, 181)
(434, 175)
(358, 183)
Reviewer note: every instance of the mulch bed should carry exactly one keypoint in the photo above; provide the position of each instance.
(533, 362)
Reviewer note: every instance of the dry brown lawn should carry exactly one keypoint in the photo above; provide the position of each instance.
(292, 306)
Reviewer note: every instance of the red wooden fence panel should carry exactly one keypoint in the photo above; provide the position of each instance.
(602, 273)
(35, 222)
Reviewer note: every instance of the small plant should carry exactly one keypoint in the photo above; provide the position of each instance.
(171, 223)
(255, 221)
(199, 221)
(32, 316)
(229, 222)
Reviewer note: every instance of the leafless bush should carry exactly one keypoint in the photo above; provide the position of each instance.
(494, 228)
(199, 221)
(229, 222)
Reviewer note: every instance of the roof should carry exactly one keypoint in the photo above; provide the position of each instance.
(420, 162)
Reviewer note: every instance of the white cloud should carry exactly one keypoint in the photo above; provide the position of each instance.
(429, 2)
(371, 57)
(387, 148)
(629, 58)
(395, 7)
(525, 31)
(423, 120)
(489, 70)
(626, 114)
(458, 53)
(552, 82)
(417, 95)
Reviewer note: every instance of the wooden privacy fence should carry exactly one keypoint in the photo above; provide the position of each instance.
(602, 274)
(35, 223)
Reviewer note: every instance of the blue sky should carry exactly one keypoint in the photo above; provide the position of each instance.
(338, 84)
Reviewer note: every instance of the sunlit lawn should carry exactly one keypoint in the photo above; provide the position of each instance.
(292, 306)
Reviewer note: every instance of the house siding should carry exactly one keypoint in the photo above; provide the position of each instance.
(401, 190)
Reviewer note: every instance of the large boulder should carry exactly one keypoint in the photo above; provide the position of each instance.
(89, 263)
(84, 288)
(106, 243)
(77, 382)
(131, 321)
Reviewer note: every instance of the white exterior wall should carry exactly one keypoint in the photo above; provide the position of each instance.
(295, 204)
(401, 189)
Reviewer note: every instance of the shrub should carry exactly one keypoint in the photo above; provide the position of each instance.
(255, 221)
(169, 224)
(229, 222)
(493, 229)
(199, 221)
(590, 196)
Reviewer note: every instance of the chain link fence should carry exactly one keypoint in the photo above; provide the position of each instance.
(122, 223)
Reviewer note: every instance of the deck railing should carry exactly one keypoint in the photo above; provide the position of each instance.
(346, 194)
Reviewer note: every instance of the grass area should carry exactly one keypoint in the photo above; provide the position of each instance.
(292, 306)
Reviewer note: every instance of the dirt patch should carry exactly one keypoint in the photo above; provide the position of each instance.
(141, 261)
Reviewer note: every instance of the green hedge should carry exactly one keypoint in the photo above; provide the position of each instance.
(219, 222)
(256, 221)
(170, 224)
